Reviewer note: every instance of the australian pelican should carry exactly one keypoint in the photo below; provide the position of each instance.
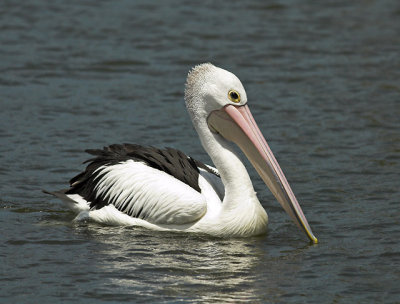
(163, 189)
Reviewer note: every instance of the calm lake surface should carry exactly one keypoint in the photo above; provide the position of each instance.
(323, 83)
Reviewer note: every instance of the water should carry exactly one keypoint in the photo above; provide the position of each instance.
(323, 83)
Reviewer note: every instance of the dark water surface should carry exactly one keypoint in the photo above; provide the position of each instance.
(323, 81)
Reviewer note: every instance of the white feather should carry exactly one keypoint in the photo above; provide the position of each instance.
(77, 204)
(214, 181)
(158, 195)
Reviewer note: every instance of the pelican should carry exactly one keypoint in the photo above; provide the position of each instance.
(163, 189)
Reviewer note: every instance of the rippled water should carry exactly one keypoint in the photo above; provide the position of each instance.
(323, 83)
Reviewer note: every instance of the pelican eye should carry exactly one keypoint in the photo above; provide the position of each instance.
(234, 96)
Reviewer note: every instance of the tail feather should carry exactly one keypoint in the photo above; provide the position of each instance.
(74, 201)
(60, 193)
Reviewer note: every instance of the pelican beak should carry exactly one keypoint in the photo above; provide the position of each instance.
(236, 124)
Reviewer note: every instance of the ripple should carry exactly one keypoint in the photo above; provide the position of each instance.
(321, 80)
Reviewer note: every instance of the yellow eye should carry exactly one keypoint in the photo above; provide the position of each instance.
(234, 96)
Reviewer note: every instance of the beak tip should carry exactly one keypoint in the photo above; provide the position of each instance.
(313, 239)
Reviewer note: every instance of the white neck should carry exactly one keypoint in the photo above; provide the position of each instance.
(238, 186)
(241, 213)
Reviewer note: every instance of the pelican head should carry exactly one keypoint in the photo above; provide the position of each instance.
(210, 88)
(217, 100)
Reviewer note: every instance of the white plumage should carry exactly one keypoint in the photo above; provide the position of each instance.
(136, 186)
(166, 190)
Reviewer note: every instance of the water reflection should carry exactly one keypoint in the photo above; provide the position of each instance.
(131, 260)
(174, 263)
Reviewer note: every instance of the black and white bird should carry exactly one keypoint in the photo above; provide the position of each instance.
(163, 189)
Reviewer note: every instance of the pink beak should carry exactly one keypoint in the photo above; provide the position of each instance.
(236, 123)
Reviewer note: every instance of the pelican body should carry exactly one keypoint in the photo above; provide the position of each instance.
(163, 189)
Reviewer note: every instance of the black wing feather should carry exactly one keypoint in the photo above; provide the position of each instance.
(169, 160)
